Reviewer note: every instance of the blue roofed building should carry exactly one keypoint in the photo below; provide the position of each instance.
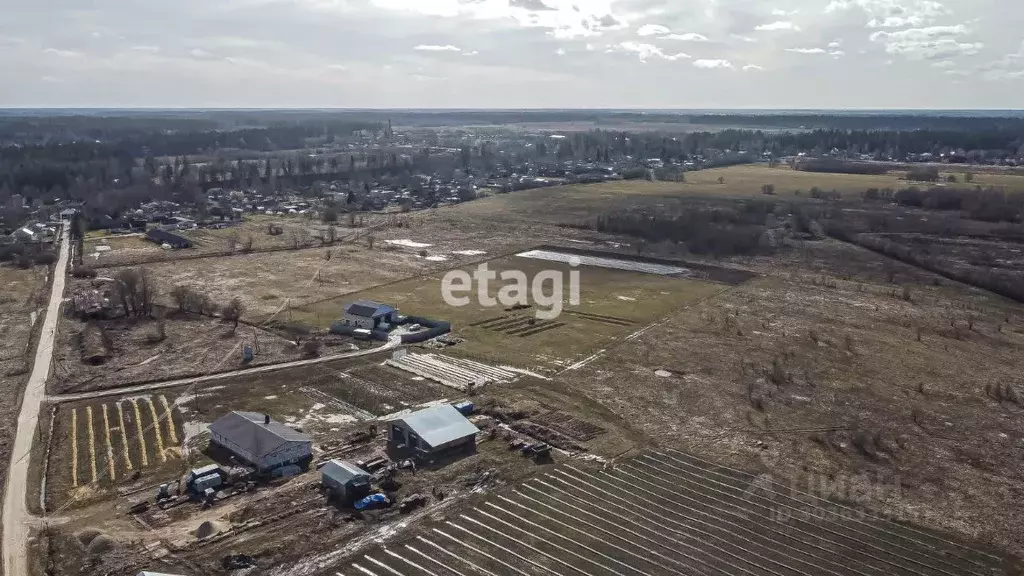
(431, 432)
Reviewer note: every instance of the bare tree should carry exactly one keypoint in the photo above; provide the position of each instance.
(180, 295)
(135, 289)
(247, 244)
(232, 312)
(331, 234)
(369, 241)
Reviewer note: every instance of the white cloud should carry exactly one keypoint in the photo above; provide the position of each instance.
(434, 48)
(806, 50)
(200, 54)
(836, 53)
(1009, 67)
(742, 38)
(931, 43)
(893, 13)
(339, 67)
(784, 13)
(688, 37)
(560, 51)
(63, 53)
(652, 30)
(712, 64)
(835, 45)
(777, 25)
(750, 67)
(645, 51)
(943, 64)
(147, 49)
(473, 53)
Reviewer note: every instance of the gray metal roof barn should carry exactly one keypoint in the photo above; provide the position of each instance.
(431, 431)
(260, 441)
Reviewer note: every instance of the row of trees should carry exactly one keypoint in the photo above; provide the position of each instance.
(715, 231)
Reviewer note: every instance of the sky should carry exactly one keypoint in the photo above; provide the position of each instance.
(928, 54)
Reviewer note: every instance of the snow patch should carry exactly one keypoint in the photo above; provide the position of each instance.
(469, 252)
(408, 243)
(626, 298)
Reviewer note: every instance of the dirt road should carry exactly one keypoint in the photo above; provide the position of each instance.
(393, 342)
(17, 520)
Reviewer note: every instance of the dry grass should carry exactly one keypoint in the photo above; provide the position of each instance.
(636, 299)
(840, 353)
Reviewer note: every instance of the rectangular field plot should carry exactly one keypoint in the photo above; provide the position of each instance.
(667, 513)
(613, 303)
(103, 444)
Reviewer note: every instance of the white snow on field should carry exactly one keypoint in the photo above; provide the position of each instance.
(408, 243)
(626, 298)
(470, 252)
(436, 258)
(603, 262)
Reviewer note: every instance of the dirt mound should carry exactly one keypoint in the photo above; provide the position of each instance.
(208, 528)
(100, 544)
(95, 344)
(88, 535)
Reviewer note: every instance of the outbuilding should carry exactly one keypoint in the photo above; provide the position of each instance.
(259, 441)
(345, 480)
(369, 315)
(162, 237)
(431, 432)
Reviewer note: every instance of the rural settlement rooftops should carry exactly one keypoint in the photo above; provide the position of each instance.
(248, 431)
(440, 424)
(368, 309)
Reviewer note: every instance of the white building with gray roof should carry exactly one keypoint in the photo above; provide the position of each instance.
(261, 442)
(430, 432)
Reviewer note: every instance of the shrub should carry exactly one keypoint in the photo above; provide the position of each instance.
(80, 271)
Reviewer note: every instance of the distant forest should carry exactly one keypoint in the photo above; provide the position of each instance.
(113, 154)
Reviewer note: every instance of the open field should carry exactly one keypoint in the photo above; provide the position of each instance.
(668, 513)
(826, 367)
(191, 345)
(269, 282)
(575, 202)
(836, 371)
(613, 303)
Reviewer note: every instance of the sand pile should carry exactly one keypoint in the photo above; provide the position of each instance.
(208, 528)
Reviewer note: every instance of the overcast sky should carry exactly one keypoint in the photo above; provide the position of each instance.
(513, 53)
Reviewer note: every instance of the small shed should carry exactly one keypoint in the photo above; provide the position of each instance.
(431, 432)
(345, 480)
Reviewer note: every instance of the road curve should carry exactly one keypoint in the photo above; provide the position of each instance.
(17, 521)
(392, 342)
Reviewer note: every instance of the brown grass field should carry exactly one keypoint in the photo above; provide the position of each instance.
(836, 371)
(613, 303)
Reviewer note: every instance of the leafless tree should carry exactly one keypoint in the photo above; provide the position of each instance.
(181, 295)
(232, 312)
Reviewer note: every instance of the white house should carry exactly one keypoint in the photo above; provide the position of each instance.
(261, 442)
(369, 315)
